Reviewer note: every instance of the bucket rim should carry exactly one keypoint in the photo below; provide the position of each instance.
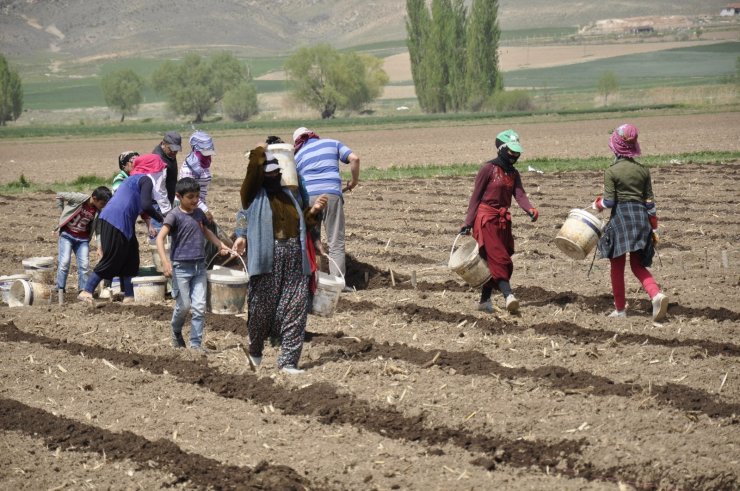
(27, 294)
(587, 216)
(241, 278)
(148, 279)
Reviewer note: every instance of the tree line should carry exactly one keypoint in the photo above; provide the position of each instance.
(454, 54)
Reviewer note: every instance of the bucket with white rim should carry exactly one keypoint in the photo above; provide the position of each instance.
(149, 289)
(579, 234)
(227, 289)
(7, 281)
(23, 293)
(466, 262)
(328, 289)
(284, 153)
(41, 269)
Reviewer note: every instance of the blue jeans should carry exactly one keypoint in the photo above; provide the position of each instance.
(189, 284)
(81, 248)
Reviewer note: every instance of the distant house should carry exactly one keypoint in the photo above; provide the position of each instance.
(643, 30)
(731, 9)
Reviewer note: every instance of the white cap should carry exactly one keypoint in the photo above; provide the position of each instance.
(297, 133)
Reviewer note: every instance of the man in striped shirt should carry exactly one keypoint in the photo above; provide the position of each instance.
(317, 161)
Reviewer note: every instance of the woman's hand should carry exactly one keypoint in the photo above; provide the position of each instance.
(319, 204)
(239, 246)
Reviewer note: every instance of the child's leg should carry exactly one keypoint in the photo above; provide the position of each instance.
(198, 288)
(181, 276)
(642, 274)
(65, 257)
(617, 276)
(82, 250)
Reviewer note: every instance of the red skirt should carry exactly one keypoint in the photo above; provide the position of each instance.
(492, 231)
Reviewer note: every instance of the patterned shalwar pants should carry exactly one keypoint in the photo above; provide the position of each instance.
(278, 304)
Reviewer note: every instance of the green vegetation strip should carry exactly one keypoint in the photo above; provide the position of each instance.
(546, 165)
(87, 183)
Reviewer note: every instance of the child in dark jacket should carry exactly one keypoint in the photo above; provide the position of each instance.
(75, 228)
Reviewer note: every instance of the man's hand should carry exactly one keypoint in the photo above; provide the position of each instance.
(240, 245)
(319, 204)
(351, 184)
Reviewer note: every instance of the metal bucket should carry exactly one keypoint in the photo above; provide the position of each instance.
(227, 289)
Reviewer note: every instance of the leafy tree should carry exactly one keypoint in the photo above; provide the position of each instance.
(482, 52)
(328, 80)
(195, 85)
(418, 29)
(240, 103)
(122, 91)
(607, 85)
(11, 93)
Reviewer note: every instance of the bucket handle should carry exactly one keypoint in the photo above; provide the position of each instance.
(240, 258)
(453, 245)
(335, 265)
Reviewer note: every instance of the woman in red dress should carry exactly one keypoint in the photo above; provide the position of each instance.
(490, 220)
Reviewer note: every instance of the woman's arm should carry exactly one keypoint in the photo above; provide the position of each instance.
(146, 204)
(255, 175)
(481, 181)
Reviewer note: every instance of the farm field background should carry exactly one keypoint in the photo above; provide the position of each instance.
(406, 388)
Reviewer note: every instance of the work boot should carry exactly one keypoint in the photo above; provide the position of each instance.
(512, 304)
(660, 307)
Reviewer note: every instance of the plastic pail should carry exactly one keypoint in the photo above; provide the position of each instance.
(7, 281)
(148, 289)
(41, 269)
(466, 262)
(227, 290)
(24, 292)
(284, 154)
(155, 256)
(579, 234)
(328, 289)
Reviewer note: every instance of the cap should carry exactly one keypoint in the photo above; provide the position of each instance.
(510, 139)
(297, 133)
(173, 139)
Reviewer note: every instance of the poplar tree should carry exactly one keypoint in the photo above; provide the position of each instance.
(11, 93)
(418, 29)
(483, 35)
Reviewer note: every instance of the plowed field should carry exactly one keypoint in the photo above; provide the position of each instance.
(407, 385)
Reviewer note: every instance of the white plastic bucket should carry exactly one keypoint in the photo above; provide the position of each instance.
(466, 262)
(155, 256)
(328, 289)
(579, 234)
(41, 269)
(7, 281)
(284, 154)
(23, 293)
(148, 289)
(227, 289)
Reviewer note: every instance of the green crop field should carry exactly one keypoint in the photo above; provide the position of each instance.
(699, 65)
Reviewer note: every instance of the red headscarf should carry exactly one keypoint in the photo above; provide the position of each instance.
(149, 163)
(623, 141)
(303, 139)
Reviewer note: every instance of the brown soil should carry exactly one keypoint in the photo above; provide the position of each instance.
(407, 386)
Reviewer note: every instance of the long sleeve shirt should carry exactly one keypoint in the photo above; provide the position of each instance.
(628, 180)
(495, 187)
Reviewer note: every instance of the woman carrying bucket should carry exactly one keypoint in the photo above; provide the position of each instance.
(489, 218)
(628, 191)
(279, 259)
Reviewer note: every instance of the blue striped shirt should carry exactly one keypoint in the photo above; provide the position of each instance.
(317, 163)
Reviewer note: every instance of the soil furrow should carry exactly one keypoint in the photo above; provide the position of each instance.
(67, 434)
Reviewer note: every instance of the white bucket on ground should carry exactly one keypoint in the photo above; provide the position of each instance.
(155, 256)
(328, 289)
(579, 234)
(227, 289)
(23, 293)
(466, 262)
(284, 154)
(7, 281)
(148, 289)
(41, 269)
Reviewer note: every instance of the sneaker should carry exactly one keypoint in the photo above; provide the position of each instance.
(512, 304)
(618, 313)
(660, 306)
(348, 289)
(129, 300)
(486, 306)
(291, 370)
(105, 293)
(254, 362)
(201, 349)
(177, 340)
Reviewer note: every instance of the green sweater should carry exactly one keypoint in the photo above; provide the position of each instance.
(628, 180)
